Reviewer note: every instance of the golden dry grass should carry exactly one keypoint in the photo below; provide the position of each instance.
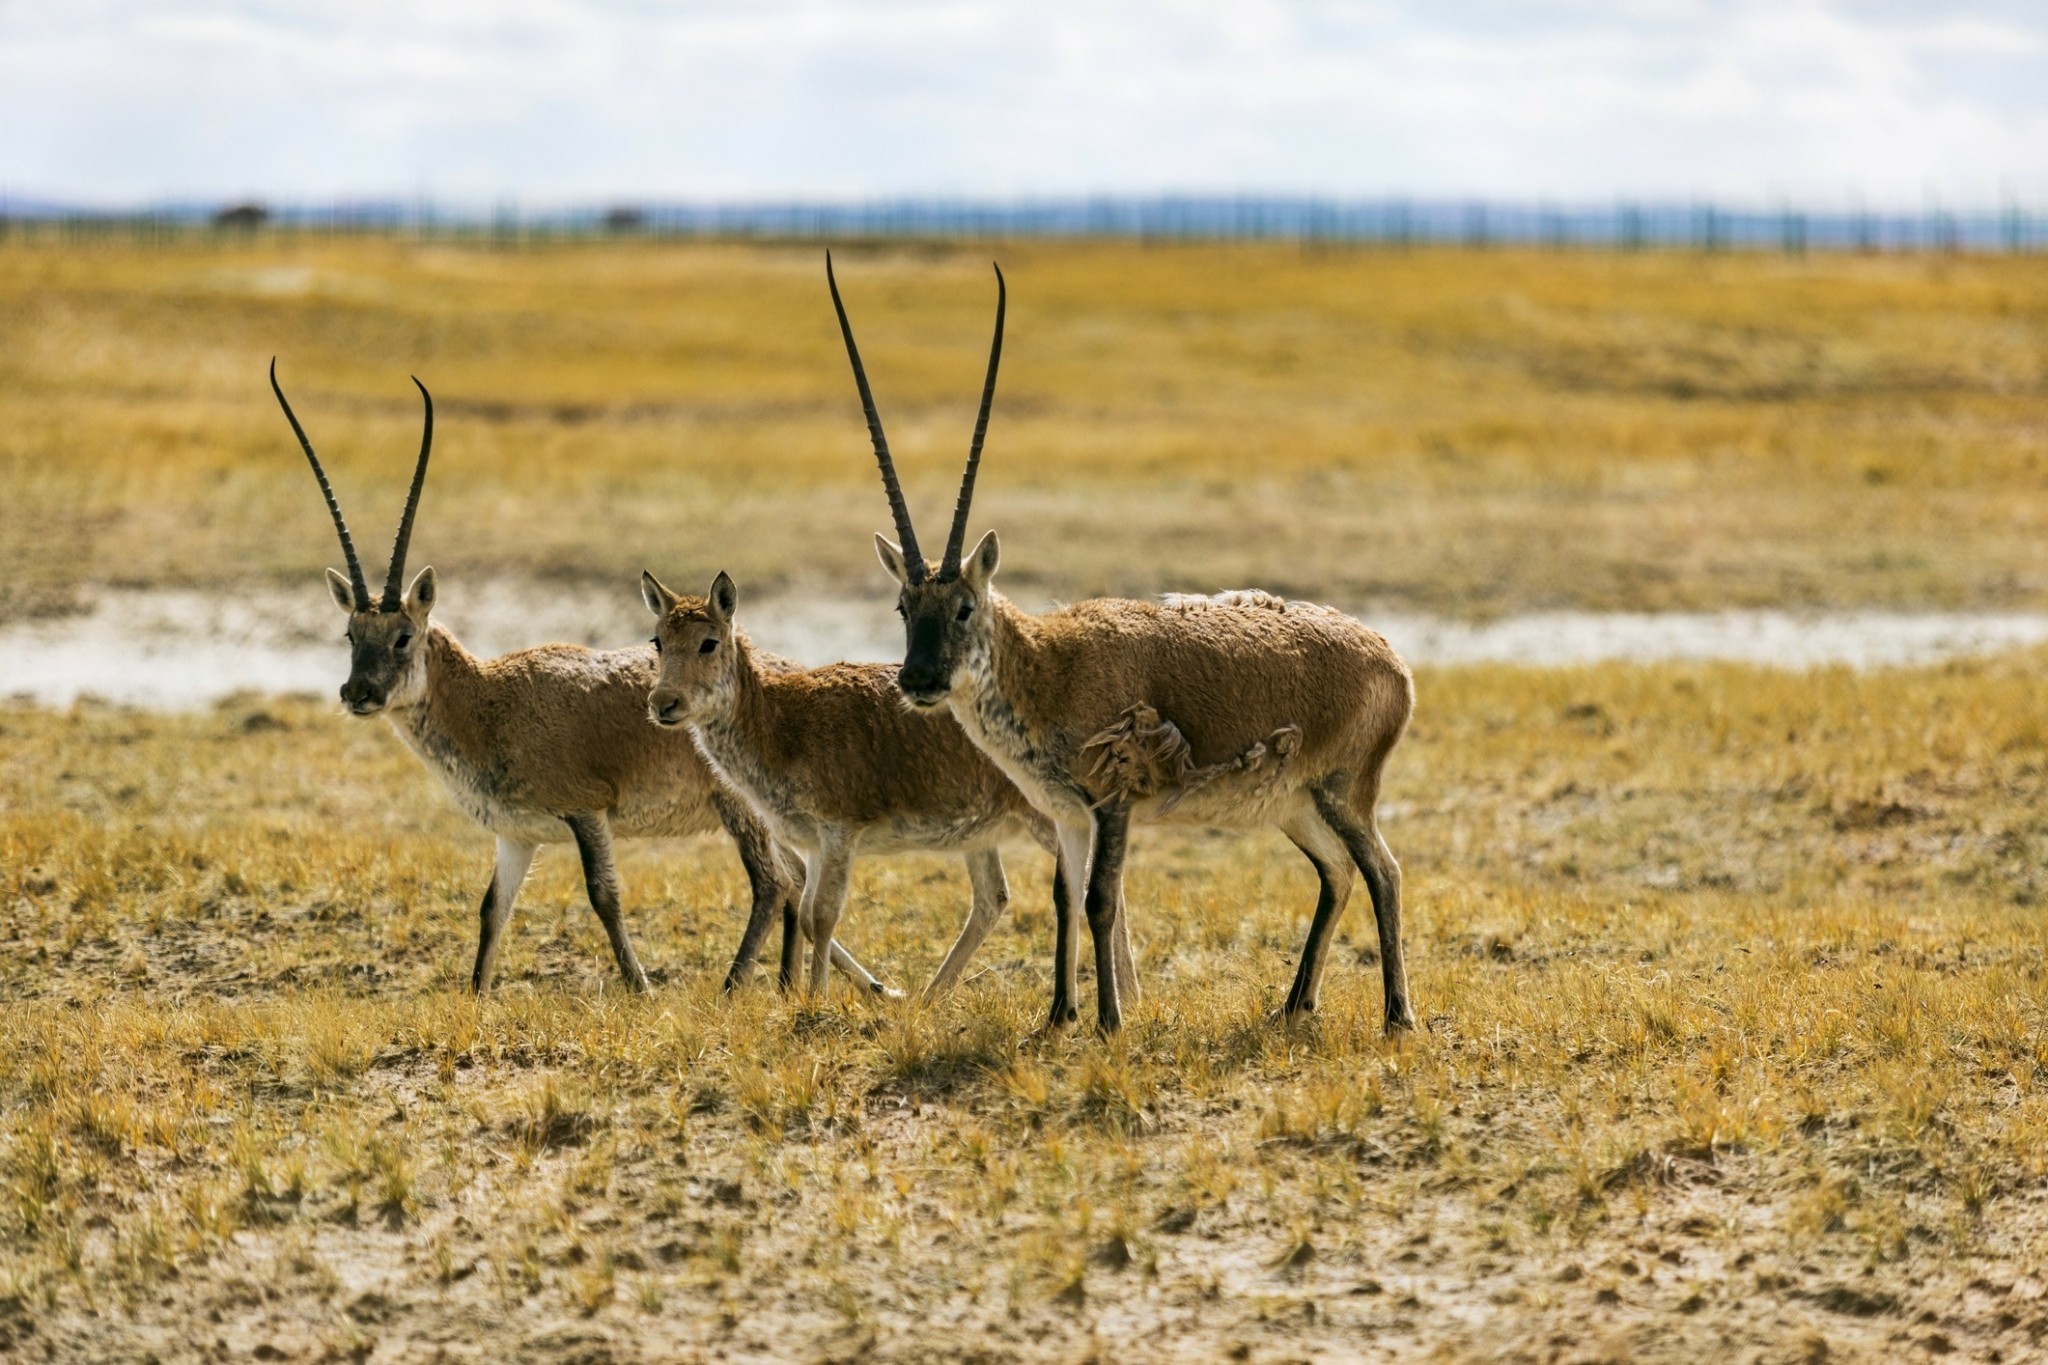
(1470, 432)
(1735, 985)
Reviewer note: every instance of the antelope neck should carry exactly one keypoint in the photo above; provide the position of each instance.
(450, 695)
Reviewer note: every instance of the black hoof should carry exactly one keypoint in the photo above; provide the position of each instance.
(1061, 1018)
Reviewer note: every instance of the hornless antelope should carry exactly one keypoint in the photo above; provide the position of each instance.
(542, 745)
(837, 767)
(1238, 710)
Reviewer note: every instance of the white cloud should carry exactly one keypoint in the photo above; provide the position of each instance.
(548, 100)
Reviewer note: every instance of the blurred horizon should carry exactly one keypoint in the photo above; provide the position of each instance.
(1699, 225)
(1837, 104)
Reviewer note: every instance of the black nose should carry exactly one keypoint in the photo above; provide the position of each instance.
(918, 679)
(354, 693)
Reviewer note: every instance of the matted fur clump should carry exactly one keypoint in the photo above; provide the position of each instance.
(1145, 755)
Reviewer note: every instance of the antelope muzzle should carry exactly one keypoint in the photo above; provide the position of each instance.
(362, 697)
(665, 707)
(926, 677)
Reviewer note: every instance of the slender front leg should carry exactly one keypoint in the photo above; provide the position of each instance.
(507, 876)
(1326, 850)
(1105, 883)
(792, 940)
(776, 883)
(1070, 893)
(825, 880)
(991, 899)
(1126, 965)
(765, 880)
(1383, 880)
(601, 879)
(1382, 874)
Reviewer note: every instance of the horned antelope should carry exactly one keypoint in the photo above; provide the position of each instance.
(541, 746)
(1239, 709)
(837, 767)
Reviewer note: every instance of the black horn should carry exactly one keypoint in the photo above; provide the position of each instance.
(393, 581)
(904, 531)
(348, 544)
(950, 566)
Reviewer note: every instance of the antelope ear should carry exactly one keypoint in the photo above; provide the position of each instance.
(659, 599)
(891, 555)
(981, 565)
(338, 588)
(725, 598)
(419, 598)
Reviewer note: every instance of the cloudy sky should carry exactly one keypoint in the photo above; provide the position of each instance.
(552, 101)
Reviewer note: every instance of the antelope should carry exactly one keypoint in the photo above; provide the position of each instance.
(1237, 710)
(837, 767)
(541, 746)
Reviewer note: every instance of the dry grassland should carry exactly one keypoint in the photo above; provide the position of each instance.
(1735, 981)
(1735, 993)
(1466, 432)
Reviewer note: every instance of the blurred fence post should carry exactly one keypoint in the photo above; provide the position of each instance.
(1477, 233)
(1791, 232)
(1629, 228)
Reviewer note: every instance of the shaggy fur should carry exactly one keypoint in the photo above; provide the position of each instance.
(550, 745)
(537, 746)
(1239, 710)
(835, 764)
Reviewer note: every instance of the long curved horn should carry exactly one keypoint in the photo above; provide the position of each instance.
(348, 544)
(950, 566)
(394, 580)
(904, 531)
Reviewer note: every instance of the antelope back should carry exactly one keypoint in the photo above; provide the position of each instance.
(555, 729)
(837, 740)
(1230, 673)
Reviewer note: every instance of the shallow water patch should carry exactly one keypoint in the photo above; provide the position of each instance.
(175, 649)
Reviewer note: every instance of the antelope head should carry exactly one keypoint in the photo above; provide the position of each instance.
(386, 663)
(946, 617)
(698, 658)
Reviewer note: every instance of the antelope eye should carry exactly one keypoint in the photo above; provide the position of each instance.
(404, 640)
(966, 610)
(707, 646)
(899, 609)
(656, 642)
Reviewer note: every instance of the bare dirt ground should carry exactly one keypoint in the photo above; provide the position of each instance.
(1734, 981)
